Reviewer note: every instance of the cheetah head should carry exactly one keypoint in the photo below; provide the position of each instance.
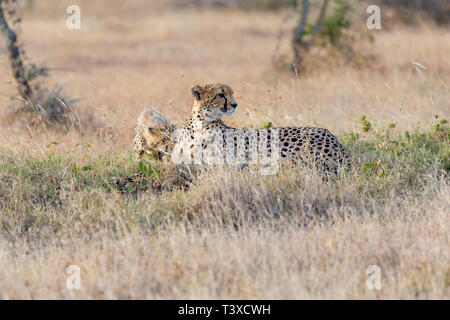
(213, 101)
(154, 132)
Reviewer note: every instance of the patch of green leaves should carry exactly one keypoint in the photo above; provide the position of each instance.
(376, 167)
(267, 125)
(366, 124)
(334, 25)
(388, 160)
(148, 171)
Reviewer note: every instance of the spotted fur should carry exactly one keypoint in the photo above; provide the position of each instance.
(307, 145)
(152, 135)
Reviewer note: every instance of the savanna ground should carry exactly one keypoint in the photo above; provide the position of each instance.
(232, 234)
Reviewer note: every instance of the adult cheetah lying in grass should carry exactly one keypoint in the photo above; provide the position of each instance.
(307, 145)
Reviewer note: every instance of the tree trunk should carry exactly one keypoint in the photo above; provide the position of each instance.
(297, 40)
(15, 58)
(299, 45)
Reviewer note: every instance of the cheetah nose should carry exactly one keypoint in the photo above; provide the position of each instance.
(234, 104)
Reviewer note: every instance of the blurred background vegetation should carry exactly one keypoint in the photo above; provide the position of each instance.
(405, 11)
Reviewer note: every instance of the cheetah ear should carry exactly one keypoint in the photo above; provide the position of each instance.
(158, 128)
(197, 92)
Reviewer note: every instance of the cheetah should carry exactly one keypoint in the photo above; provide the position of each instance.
(306, 145)
(152, 138)
(152, 135)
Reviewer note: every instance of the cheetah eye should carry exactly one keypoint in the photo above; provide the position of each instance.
(221, 95)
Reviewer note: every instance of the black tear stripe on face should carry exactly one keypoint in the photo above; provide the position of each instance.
(225, 105)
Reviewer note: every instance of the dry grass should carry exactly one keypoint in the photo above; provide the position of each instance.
(231, 234)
